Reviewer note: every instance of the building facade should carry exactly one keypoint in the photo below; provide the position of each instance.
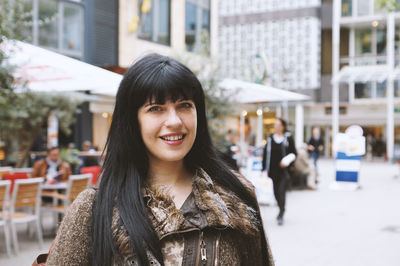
(291, 43)
(164, 26)
(86, 30)
(276, 43)
(367, 66)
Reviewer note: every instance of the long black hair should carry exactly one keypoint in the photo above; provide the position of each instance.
(126, 163)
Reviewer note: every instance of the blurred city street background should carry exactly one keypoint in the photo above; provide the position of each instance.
(330, 66)
(322, 227)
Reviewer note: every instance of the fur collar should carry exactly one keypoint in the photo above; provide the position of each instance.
(209, 205)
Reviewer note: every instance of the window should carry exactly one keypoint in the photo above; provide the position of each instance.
(72, 28)
(197, 24)
(57, 25)
(155, 21)
(381, 40)
(48, 25)
(362, 7)
(363, 90)
(363, 41)
(346, 8)
(397, 88)
(381, 89)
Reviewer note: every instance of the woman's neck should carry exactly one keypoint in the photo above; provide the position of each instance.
(279, 134)
(168, 174)
(174, 177)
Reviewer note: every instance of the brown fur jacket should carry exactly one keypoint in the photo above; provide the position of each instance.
(213, 227)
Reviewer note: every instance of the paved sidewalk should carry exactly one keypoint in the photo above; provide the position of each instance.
(322, 227)
(340, 228)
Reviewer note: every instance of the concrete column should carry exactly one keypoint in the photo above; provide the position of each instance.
(242, 137)
(278, 111)
(214, 28)
(308, 132)
(327, 140)
(335, 65)
(389, 92)
(286, 111)
(178, 22)
(260, 127)
(299, 124)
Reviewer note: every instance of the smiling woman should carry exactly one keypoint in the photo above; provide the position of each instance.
(165, 195)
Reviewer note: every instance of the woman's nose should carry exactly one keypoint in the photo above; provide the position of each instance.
(173, 119)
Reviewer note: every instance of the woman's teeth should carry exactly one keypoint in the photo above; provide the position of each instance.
(173, 138)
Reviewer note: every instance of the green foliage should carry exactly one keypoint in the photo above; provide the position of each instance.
(24, 113)
(387, 5)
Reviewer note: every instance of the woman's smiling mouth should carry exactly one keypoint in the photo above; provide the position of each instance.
(173, 139)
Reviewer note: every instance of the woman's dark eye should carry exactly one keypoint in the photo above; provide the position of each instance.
(154, 108)
(186, 105)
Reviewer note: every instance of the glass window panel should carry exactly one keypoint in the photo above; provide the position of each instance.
(190, 25)
(362, 7)
(363, 42)
(48, 23)
(397, 43)
(397, 88)
(164, 22)
(152, 28)
(197, 24)
(381, 89)
(72, 27)
(146, 22)
(363, 90)
(346, 8)
(205, 20)
(381, 40)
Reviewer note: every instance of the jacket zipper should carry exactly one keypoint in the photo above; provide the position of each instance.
(203, 250)
(216, 248)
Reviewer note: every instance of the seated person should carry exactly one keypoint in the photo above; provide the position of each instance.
(52, 168)
(304, 171)
(88, 160)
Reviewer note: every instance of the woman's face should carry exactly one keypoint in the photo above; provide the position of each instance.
(168, 130)
(278, 127)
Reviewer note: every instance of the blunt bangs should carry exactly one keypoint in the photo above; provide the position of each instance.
(164, 79)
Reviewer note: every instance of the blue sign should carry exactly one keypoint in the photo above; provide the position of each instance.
(347, 167)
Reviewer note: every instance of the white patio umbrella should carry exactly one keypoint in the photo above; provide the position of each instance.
(253, 93)
(248, 92)
(45, 70)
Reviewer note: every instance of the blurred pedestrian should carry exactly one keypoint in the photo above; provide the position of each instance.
(89, 158)
(315, 146)
(165, 196)
(52, 168)
(279, 154)
(230, 150)
(304, 169)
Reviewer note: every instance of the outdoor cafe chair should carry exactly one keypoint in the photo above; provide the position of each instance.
(94, 170)
(4, 200)
(15, 176)
(5, 170)
(75, 185)
(25, 207)
(23, 170)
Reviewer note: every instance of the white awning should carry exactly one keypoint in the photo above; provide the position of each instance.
(363, 74)
(248, 92)
(45, 70)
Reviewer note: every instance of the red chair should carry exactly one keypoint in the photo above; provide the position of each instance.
(94, 170)
(14, 176)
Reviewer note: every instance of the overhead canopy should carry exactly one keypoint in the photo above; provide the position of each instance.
(45, 70)
(248, 92)
(363, 74)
